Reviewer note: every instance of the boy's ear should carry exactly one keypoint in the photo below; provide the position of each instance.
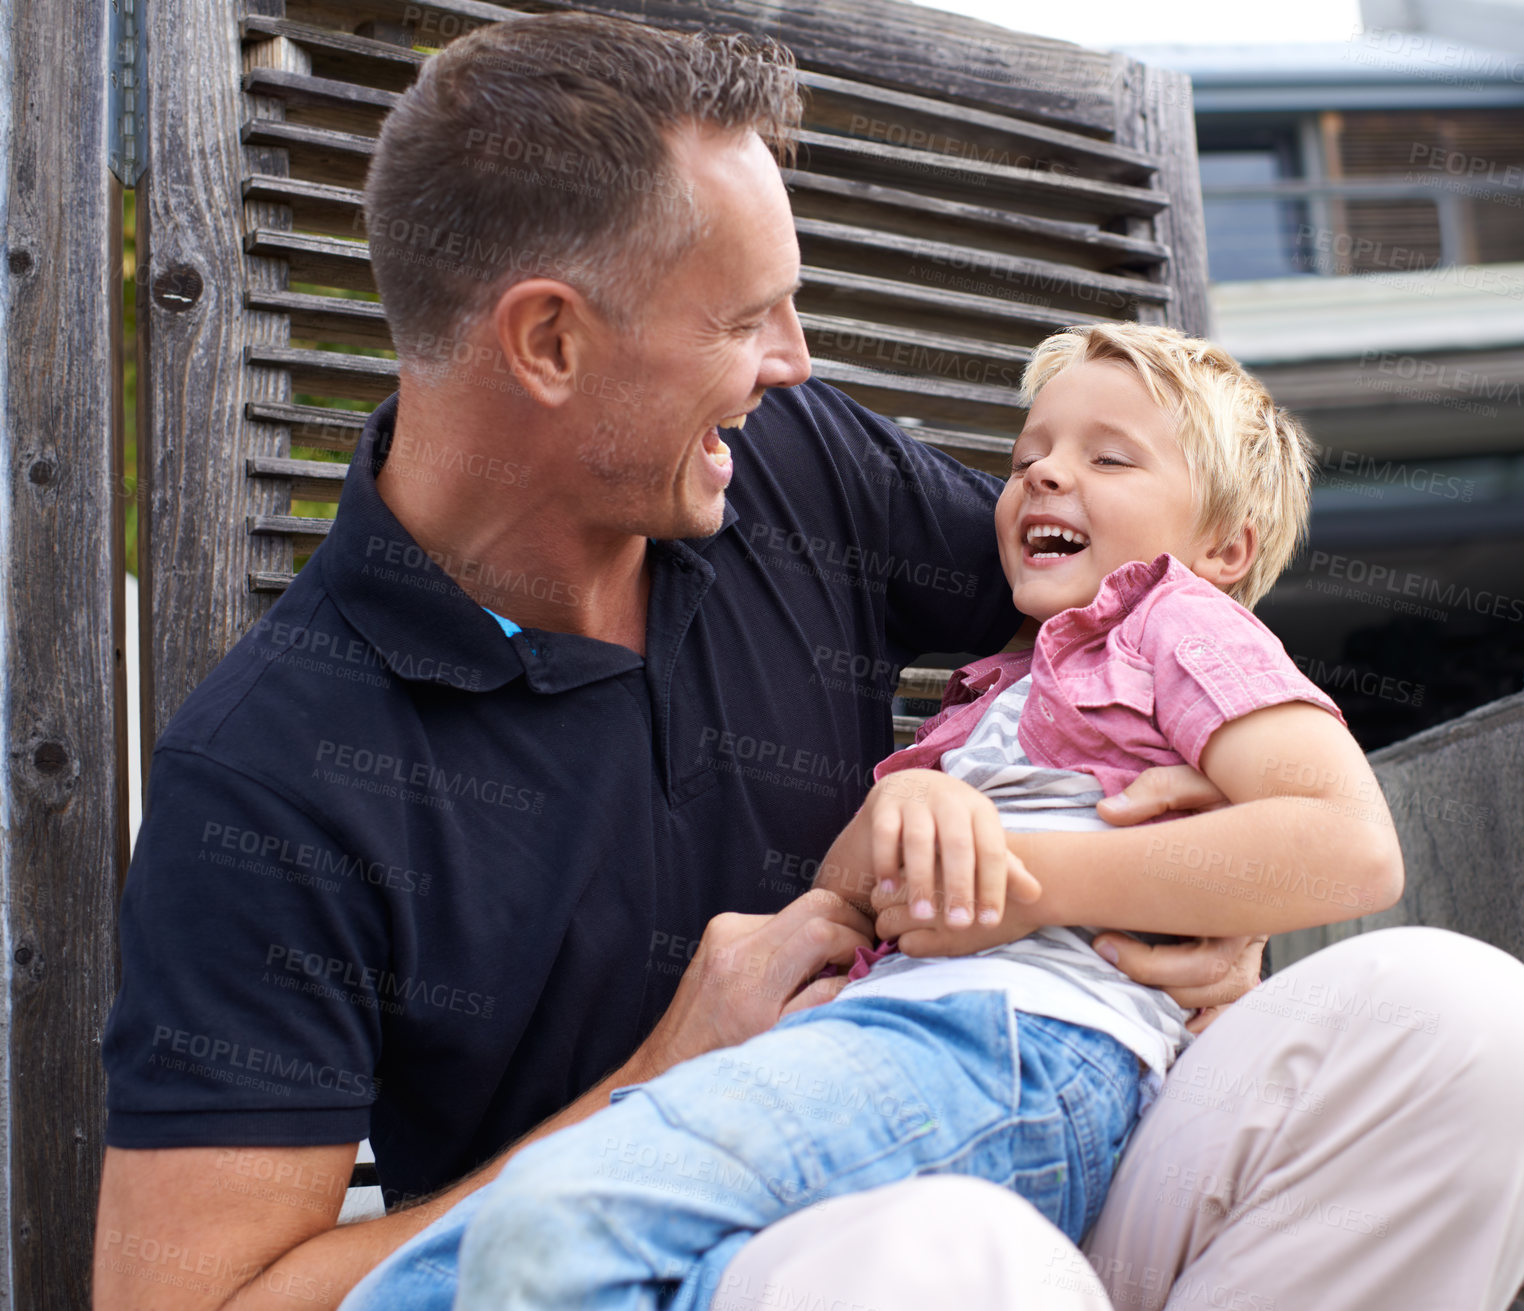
(1228, 561)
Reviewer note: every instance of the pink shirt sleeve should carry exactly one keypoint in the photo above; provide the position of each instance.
(1215, 662)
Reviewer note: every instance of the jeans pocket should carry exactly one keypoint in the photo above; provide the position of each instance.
(1047, 1188)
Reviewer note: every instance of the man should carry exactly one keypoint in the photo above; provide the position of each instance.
(425, 858)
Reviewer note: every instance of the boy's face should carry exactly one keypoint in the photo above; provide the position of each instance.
(1098, 458)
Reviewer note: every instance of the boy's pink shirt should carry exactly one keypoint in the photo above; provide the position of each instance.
(1142, 676)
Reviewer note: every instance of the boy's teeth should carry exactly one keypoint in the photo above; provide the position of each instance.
(1039, 531)
(735, 421)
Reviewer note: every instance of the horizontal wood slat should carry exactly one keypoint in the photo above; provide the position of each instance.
(340, 54)
(328, 318)
(304, 534)
(964, 178)
(269, 582)
(311, 480)
(895, 209)
(266, 466)
(317, 153)
(358, 377)
(315, 206)
(890, 254)
(919, 682)
(841, 371)
(840, 104)
(932, 351)
(316, 92)
(929, 51)
(986, 451)
(830, 290)
(326, 261)
(316, 426)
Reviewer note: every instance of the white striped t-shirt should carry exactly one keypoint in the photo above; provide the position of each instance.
(1054, 972)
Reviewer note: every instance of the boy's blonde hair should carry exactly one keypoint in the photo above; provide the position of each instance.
(1249, 462)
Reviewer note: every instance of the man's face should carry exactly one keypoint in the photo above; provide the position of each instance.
(719, 330)
(1098, 460)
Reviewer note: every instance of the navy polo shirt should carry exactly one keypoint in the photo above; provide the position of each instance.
(406, 876)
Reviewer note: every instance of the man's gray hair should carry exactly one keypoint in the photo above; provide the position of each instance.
(539, 147)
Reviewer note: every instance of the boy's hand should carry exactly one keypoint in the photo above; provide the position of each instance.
(924, 823)
(938, 939)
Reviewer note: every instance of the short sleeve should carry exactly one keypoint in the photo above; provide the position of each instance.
(247, 1013)
(1214, 662)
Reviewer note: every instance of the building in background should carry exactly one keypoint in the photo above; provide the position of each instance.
(1365, 224)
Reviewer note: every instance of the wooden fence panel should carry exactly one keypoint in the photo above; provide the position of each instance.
(195, 332)
(62, 795)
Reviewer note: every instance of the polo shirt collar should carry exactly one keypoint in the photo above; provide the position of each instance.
(422, 623)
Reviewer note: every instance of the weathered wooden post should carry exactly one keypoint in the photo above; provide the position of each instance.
(63, 837)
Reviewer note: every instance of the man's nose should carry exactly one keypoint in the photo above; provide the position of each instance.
(786, 362)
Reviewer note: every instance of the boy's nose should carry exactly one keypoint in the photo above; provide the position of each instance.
(1045, 475)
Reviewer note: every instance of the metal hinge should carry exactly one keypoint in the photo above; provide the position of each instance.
(127, 99)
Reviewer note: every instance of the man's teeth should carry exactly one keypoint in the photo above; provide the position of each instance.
(735, 421)
(1039, 532)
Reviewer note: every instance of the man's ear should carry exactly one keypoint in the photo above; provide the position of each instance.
(1228, 561)
(542, 329)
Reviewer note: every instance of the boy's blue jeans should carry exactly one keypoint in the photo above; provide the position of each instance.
(644, 1204)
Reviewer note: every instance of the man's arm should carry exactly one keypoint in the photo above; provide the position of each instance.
(1308, 841)
(196, 1228)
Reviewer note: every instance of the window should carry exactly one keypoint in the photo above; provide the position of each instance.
(1251, 232)
(1390, 191)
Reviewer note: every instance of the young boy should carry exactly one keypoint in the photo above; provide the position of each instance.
(1153, 482)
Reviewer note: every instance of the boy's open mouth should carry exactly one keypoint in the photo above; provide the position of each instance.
(1050, 541)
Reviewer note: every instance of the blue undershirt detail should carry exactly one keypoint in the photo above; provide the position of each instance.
(507, 625)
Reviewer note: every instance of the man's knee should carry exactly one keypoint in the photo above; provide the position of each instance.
(1441, 998)
(993, 1248)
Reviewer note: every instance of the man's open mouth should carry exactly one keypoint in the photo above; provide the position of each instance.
(1050, 541)
(715, 447)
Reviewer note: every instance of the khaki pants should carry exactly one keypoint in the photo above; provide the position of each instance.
(1349, 1137)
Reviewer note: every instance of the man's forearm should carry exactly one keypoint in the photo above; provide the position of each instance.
(1263, 866)
(336, 1260)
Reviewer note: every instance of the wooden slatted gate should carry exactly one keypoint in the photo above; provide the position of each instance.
(961, 191)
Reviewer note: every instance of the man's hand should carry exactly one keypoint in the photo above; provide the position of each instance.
(1207, 975)
(940, 842)
(748, 972)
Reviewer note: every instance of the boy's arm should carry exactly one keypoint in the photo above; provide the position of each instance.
(847, 868)
(1308, 841)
